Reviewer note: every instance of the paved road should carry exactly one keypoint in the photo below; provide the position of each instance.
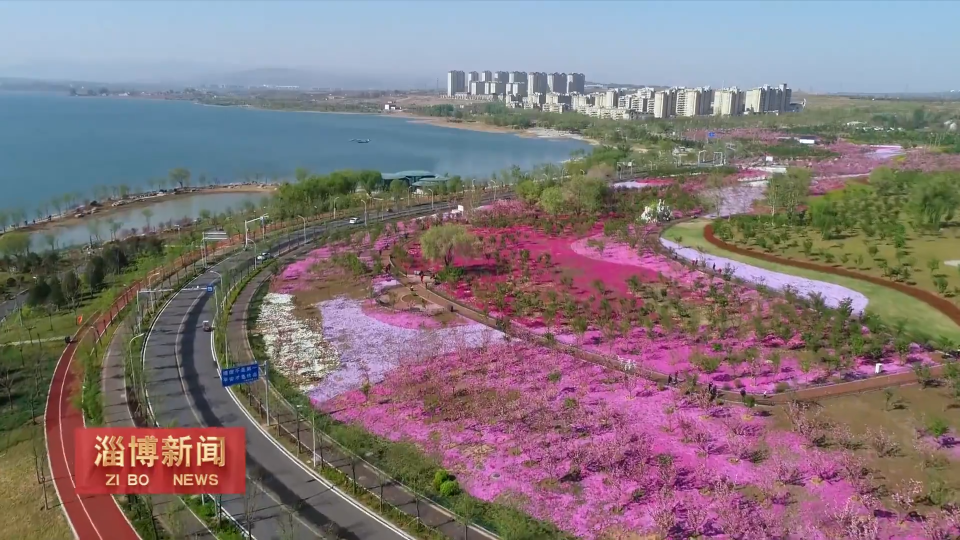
(9, 306)
(184, 390)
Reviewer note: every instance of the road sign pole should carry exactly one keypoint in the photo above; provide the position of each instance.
(266, 388)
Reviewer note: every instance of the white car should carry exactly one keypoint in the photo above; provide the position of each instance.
(354, 220)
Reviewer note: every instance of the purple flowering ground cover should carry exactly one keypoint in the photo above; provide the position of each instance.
(369, 348)
(599, 453)
(833, 294)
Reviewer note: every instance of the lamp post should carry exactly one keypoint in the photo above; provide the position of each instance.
(335, 207)
(364, 212)
(304, 229)
(432, 195)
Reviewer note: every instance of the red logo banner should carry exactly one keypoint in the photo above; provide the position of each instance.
(181, 461)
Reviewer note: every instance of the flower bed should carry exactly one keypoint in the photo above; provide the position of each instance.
(369, 347)
(598, 453)
(295, 348)
(643, 308)
(833, 294)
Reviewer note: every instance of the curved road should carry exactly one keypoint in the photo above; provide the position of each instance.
(184, 389)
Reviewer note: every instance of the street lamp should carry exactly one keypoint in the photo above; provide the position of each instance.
(364, 212)
(432, 195)
(304, 229)
(335, 207)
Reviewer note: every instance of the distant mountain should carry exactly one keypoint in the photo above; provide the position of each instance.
(178, 74)
(306, 78)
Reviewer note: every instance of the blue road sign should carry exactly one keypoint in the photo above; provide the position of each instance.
(209, 288)
(240, 374)
(711, 134)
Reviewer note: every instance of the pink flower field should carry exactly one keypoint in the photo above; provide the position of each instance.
(598, 452)
(765, 353)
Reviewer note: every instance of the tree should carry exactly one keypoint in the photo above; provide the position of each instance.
(15, 244)
(552, 201)
(179, 176)
(934, 200)
(70, 284)
(147, 214)
(94, 273)
(301, 174)
(38, 293)
(529, 191)
(55, 297)
(398, 188)
(446, 241)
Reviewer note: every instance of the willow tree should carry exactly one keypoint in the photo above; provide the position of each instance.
(934, 200)
(444, 242)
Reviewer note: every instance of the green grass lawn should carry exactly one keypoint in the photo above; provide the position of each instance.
(909, 408)
(851, 249)
(889, 304)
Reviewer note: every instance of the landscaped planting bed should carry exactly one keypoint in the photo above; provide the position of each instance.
(865, 230)
(603, 454)
(621, 299)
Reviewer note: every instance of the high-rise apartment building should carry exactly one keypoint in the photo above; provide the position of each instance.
(557, 82)
(456, 82)
(477, 88)
(766, 99)
(727, 102)
(608, 99)
(486, 76)
(518, 88)
(496, 88)
(518, 76)
(472, 76)
(576, 83)
(665, 103)
(537, 82)
(501, 76)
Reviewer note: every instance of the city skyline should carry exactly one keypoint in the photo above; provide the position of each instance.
(81, 40)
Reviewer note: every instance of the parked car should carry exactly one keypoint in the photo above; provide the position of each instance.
(354, 220)
(206, 326)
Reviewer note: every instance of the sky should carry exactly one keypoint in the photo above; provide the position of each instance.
(858, 46)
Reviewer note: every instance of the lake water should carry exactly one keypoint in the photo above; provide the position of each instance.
(52, 144)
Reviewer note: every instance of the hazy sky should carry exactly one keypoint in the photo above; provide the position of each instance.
(824, 46)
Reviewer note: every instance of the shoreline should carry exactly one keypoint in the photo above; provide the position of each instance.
(527, 133)
(71, 220)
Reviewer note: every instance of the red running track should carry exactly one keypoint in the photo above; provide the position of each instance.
(91, 517)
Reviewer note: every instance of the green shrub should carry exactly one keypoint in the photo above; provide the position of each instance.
(937, 426)
(440, 477)
(449, 488)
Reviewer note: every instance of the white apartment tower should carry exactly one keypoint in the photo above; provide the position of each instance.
(765, 99)
(557, 82)
(472, 76)
(576, 83)
(727, 102)
(456, 82)
(537, 83)
(486, 76)
(501, 76)
(518, 77)
(477, 88)
(664, 103)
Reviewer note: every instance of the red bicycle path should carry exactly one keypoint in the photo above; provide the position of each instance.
(93, 517)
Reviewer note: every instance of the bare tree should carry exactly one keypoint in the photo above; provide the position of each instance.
(251, 498)
(173, 518)
(6, 381)
(288, 523)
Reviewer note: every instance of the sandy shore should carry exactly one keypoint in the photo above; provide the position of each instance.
(108, 210)
(532, 133)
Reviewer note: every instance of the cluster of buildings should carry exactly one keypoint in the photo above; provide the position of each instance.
(562, 92)
(490, 85)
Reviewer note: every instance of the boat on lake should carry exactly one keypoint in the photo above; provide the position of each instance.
(360, 141)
